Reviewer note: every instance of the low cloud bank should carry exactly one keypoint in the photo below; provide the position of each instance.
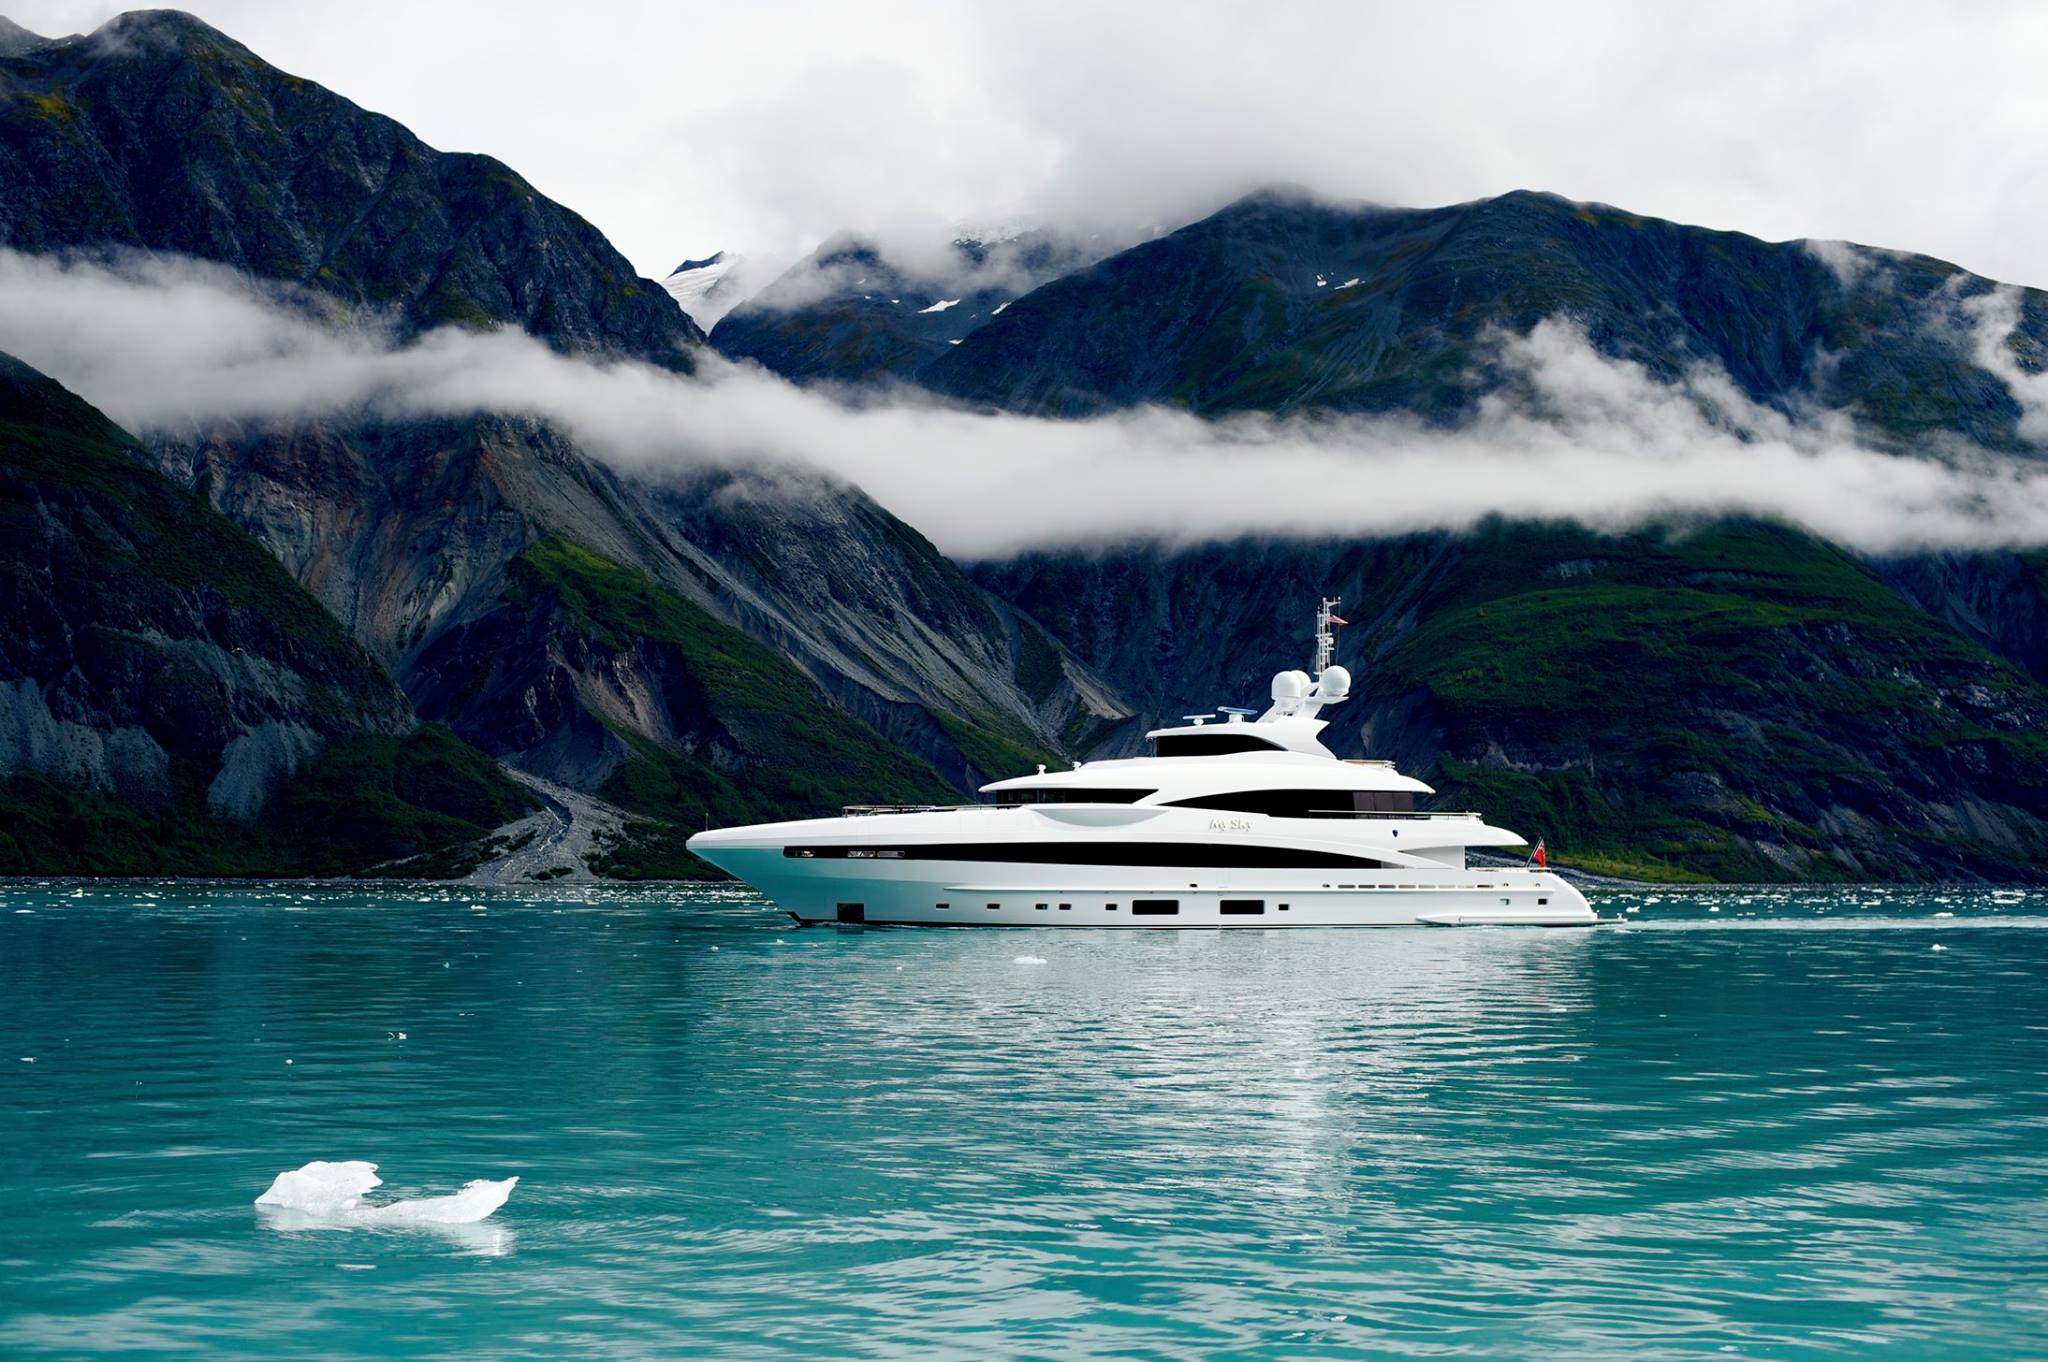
(172, 347)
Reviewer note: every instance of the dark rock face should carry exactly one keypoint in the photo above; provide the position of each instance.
(159, 132)
(849, 314)
(144, 630)
(163, 681)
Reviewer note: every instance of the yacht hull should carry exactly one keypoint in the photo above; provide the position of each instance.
(852, 887)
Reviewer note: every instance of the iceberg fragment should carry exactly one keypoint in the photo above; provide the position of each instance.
(331, 1194)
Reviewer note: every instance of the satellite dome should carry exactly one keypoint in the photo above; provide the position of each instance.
(1334, 684)
(1290, 685)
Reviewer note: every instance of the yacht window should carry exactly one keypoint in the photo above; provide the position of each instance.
(1305, 803)
(1218, 744)
(1155, 907)
(1071, 795)
(1184, 855)
(1243, 907)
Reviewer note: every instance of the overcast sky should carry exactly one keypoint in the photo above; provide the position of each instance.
(682, 128)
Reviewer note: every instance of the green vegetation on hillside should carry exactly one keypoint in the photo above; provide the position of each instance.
(1726, 703)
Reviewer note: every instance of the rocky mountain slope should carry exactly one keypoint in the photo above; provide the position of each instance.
(1283, 304)
(556, 615)
(172, 701)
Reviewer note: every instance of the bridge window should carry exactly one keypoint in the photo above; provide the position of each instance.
(1220, 743)
(1071, 795)
(1305, 803)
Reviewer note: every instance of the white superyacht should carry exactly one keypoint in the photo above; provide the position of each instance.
(1227, 823)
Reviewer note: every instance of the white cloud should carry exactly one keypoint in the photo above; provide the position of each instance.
(1996, 318)
(680, 129)
(163, 345)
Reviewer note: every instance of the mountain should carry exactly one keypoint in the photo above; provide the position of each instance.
(156, 131)
(853, 313)
(171, 701)
(1284, 304)
(1737, 702)
(681, 646)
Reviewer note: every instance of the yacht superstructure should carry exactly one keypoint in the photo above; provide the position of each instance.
(1229, 822)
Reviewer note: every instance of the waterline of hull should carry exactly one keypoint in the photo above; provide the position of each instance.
(954, 894)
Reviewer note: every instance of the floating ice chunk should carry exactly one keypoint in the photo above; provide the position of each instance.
(477, 1200)
(1937, 946)
(330, 1195)
(1352, 282)
(1029, 960)
(322, 1187)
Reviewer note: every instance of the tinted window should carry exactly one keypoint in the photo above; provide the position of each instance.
(1096, 853)
(1155, 907)
(1243, 907)
(1305, 803)
(1217, 744)
(1071, 796)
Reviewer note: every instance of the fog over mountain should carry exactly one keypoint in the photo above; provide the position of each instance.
(166, 345)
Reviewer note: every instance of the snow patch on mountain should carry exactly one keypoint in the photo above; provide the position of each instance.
(707, 289)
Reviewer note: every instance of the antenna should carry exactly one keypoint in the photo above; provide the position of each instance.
(1326, 642)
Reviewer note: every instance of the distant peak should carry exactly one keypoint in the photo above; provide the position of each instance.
(161, 26)
(715, 258)
(15, 40)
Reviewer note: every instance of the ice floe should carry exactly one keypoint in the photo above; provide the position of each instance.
(324, 1195)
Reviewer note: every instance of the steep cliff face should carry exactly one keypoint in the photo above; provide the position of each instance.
(1741, 702)
(164, 683)
(158, 132)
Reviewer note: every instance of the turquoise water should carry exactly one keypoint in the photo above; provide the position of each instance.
(1745, 1124)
